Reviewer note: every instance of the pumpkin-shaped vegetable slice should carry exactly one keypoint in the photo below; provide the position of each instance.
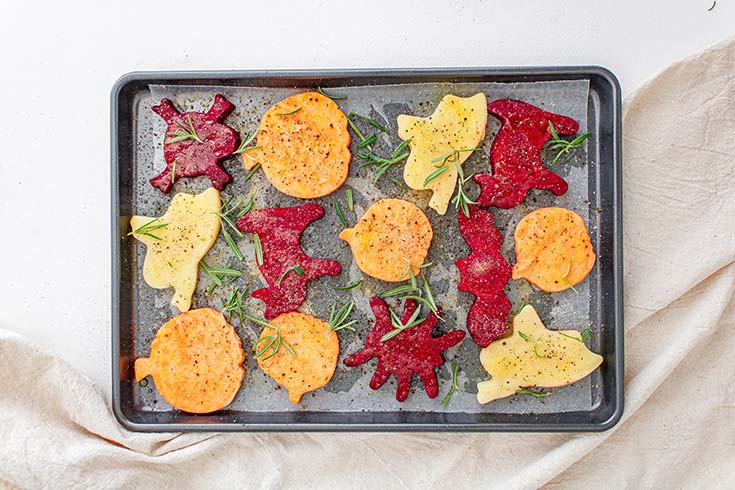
(391, 234)
(553, 249)
(308, 358)
(196, 361)
(534, 356)
(177, 241)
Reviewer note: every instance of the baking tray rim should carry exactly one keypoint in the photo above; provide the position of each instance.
(514, 74)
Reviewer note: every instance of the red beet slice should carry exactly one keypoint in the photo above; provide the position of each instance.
(413, 351)
(484, 273)
(192, 157)
(279, 230)
(515, 154)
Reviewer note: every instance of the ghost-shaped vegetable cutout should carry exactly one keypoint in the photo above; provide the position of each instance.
(440, 144)
(534, 356)
(177, 241)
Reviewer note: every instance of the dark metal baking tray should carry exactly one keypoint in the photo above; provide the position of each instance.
(603, 174)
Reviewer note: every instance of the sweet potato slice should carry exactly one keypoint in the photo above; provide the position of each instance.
(314, 357)
(196, 361)
(553, 249)
(391, 234)
(304, 146)
(534, 356)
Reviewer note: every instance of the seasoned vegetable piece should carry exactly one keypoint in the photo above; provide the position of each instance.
(391, 234)
(314, 357)
(196, 361)
(196, 143)
(284, 265)
(484, 273)
(441, 142)
(177, 241)
(412, 351)
(304, 146)
(553, 249)
(515, 155)
(534, 356)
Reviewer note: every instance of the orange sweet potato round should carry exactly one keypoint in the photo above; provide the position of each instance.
(391, 234)
(196, 361)
(314, 360)
(304, 146)
(553, 249)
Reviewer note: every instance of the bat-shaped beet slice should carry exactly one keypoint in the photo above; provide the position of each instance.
(195, 143)
(484, 273)
(413, 351)
(285, 266)
(515, 155)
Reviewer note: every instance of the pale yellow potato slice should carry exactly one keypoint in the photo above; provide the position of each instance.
(458, 123)
(544, 358)
(173, 251)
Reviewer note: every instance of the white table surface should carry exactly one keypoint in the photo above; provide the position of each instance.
(60, 59)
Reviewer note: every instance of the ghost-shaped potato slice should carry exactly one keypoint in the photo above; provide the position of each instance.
(177, 241)
(444, 139)
(534, 356)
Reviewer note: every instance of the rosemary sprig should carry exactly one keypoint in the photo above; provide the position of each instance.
(370, 121)
(347, 287)
(533, 341)
(246, 208)
(454, 387)
(340, 214)
(460, 199)
(224, 215)
(350, 200)
(400, 147)
(398, 183)
(289, 113)
(405, 288)
(173, 173)
(566, 275)
(359, 134)
(321, 91)
(367, 141)
(273, 342)
(585, 335)
(452, 155)
(250, 174)
(399, 326)
(563, 146)
(534, 394)
(187, 132)
(435, 175)
(296, 268)
(234, 306)
(244, 148)
(218, 274)
(383, 164)
(147, 228)
(337, 320)
(258, 249)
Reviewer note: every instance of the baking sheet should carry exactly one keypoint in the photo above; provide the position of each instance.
(348, 391)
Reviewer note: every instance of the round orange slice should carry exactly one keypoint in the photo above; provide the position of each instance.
(311, 360)
(553, 249)
(304, 146)
(196, 361)
(392, 234)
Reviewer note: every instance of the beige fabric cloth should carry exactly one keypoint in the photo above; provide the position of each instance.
(678, 430)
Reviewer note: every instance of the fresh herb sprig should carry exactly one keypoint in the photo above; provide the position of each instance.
(370, 121)
(273, 342)
(565, 277)
(290, 112)
(337, 319)
(296, 268)
(340, 214)
(535, 394)
(413, 291)
(225, 213)
(258, 249)
(528, 338)
(585, 335)
(187, 132)
(218, 274)
(234, 306)
(562, 146)
(173, 173)
(399, 326)
(347, 287)
(148, 229)
(244, 148)
(250, 174)
(442, 167)
(460, 199)
(454, 387)
(350, 200)
(321, 91)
